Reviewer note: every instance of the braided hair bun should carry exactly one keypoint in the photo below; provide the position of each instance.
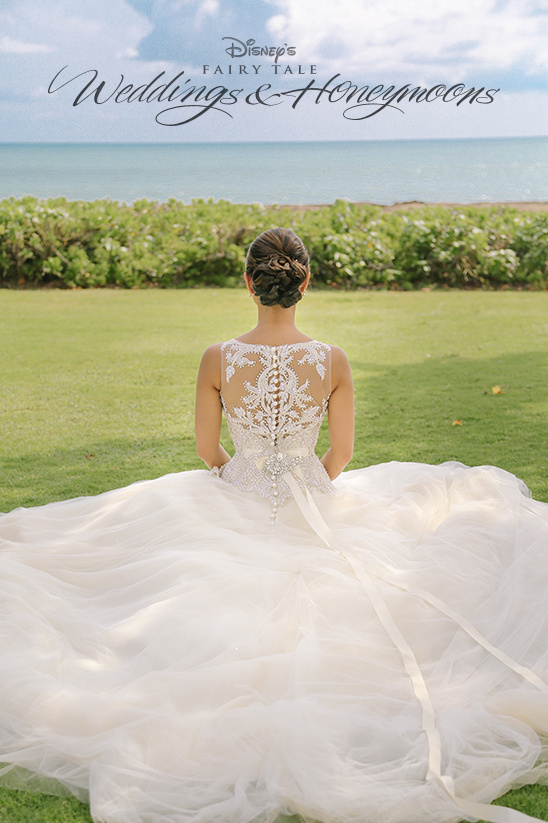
(277, 263)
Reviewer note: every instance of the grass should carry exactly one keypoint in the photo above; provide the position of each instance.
(97, 392)
(24, 807)
(97, 386)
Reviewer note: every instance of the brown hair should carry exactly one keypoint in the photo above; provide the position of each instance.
(277, 263)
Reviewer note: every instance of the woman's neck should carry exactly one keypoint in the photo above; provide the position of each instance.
(275, 317)
(275, 326)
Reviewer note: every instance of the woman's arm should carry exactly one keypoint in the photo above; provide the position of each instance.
(208, 414)
(340, 415)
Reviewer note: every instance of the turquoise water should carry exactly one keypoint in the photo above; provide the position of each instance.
(462, 171)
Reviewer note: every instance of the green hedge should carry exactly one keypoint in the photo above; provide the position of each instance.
(79, 244)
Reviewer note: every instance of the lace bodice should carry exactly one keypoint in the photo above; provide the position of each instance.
(274, 399)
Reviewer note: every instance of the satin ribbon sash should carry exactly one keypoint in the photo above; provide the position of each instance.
(304, 499)
(311, 513)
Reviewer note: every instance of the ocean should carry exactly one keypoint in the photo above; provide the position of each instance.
(384, 172)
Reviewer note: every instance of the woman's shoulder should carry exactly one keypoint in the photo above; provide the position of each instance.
(212, 352)
(340, 367)
(338, 355)
(210, 363)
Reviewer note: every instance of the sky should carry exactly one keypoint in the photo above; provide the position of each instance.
(50, 52)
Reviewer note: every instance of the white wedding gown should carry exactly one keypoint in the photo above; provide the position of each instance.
(227, 648)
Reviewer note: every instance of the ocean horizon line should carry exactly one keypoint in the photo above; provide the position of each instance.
(265, 142)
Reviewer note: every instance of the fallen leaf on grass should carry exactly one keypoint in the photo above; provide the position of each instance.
(496, 389)
(456, 423)
(88, 456)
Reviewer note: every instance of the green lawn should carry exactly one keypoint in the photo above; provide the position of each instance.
(97, 392)
(97, 386)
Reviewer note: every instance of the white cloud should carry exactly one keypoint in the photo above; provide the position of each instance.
(383, 40)
(77, 32)
(129, 52)
(40, 91)
(207, 8)
(8, 45)
(404, 37)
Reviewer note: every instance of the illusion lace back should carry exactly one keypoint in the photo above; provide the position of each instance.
(274, 399)
(226, 649)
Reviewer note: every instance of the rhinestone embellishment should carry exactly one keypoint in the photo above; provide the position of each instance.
(277, 464)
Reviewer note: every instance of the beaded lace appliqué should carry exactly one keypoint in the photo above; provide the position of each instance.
(275, 420)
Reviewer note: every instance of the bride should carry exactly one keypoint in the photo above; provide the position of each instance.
(272, 636)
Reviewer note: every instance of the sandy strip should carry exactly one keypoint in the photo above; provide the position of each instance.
(536, 205)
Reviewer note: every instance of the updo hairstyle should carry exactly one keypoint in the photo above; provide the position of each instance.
(277, 263)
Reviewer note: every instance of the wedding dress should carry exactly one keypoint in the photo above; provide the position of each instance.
(234, 645)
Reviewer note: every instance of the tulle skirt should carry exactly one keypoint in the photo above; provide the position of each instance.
(169, 655)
